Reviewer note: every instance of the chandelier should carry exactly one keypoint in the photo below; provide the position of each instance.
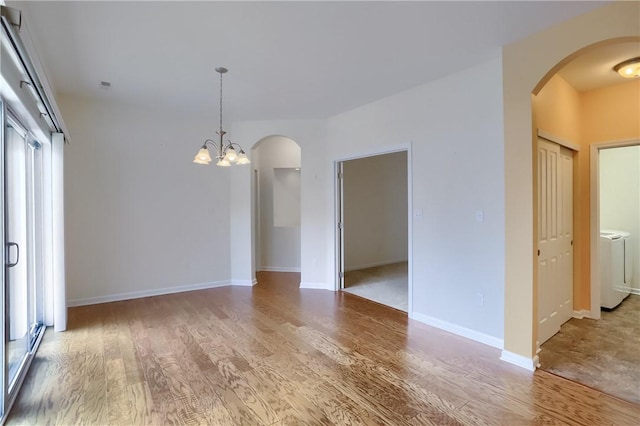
(226, 155)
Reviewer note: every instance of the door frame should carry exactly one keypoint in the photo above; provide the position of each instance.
(594, 226)
(337, 190)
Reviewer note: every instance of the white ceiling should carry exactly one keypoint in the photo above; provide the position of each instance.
(594, 69)
(286, 59)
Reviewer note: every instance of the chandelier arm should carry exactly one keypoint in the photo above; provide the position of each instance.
(219, 152)
(230, 144)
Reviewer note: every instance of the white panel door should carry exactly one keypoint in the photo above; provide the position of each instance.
(555, 238)
(566, 236)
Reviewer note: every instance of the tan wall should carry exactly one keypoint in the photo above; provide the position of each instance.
(527, 65)
(558, 109)
(608, 114)
(611, 113)
(558, 112)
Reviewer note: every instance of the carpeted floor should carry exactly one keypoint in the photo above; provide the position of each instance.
(604, 354)
(383, 284)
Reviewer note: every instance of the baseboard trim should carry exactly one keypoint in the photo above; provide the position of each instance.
(144, 293)
(312, 285)
(635, 291)
(585, 313)
(374, 264)
(279, 269)
(244, 283)
(521, 361)
(459, 330)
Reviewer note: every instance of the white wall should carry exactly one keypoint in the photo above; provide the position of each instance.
(620, 197)
(455, 126)
(279, 245)
(455, 130)
(141, 218)
(375, 210)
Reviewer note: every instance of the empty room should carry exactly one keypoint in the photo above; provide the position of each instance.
(270, 213)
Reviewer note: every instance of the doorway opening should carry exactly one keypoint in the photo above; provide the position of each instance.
(373, 228)
(587, 105)
(276, 204)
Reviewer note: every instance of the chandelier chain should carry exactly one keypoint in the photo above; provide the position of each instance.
(220, 106)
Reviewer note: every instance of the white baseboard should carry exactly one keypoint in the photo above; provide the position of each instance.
(585, 313)
(374, 264)
(144, 293)
(521, 361)
(459, 330)
(244, 283)
(279, 269)
(635, 291)
(317, 286)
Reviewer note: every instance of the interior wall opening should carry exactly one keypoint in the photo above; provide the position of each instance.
(586, 105)
(373, 223)
(276, 204)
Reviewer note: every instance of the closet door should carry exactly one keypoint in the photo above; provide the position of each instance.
(555, 238)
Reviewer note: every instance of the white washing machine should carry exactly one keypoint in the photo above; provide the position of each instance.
(615, 267)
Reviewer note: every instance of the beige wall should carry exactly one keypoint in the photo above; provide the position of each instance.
(375, 210)
(527, 65)
(601, 115)
(611, 113)
(557, 108)
(558, 111)
(608, 114)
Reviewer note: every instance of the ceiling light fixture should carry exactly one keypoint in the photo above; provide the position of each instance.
(225, 154)
(629, 68)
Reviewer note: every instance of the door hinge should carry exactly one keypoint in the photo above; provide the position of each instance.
(340, 175)
(571, 242)
(341, 274)
(340, 225)
(538, 252)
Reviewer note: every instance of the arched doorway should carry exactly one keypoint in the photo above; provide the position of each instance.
(276, 204)
(580, 104)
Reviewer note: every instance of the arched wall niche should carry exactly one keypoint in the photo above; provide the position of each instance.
(275, 195)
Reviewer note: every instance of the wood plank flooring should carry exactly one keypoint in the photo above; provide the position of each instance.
(278, 355)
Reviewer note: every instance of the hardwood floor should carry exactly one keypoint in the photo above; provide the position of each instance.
(277, 355)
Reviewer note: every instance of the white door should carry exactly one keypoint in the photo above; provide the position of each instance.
(555, 238)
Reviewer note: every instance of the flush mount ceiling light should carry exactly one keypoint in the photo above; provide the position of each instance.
(226, 155)
(629, 68)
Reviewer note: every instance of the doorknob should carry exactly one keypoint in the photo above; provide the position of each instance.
(7, 262)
